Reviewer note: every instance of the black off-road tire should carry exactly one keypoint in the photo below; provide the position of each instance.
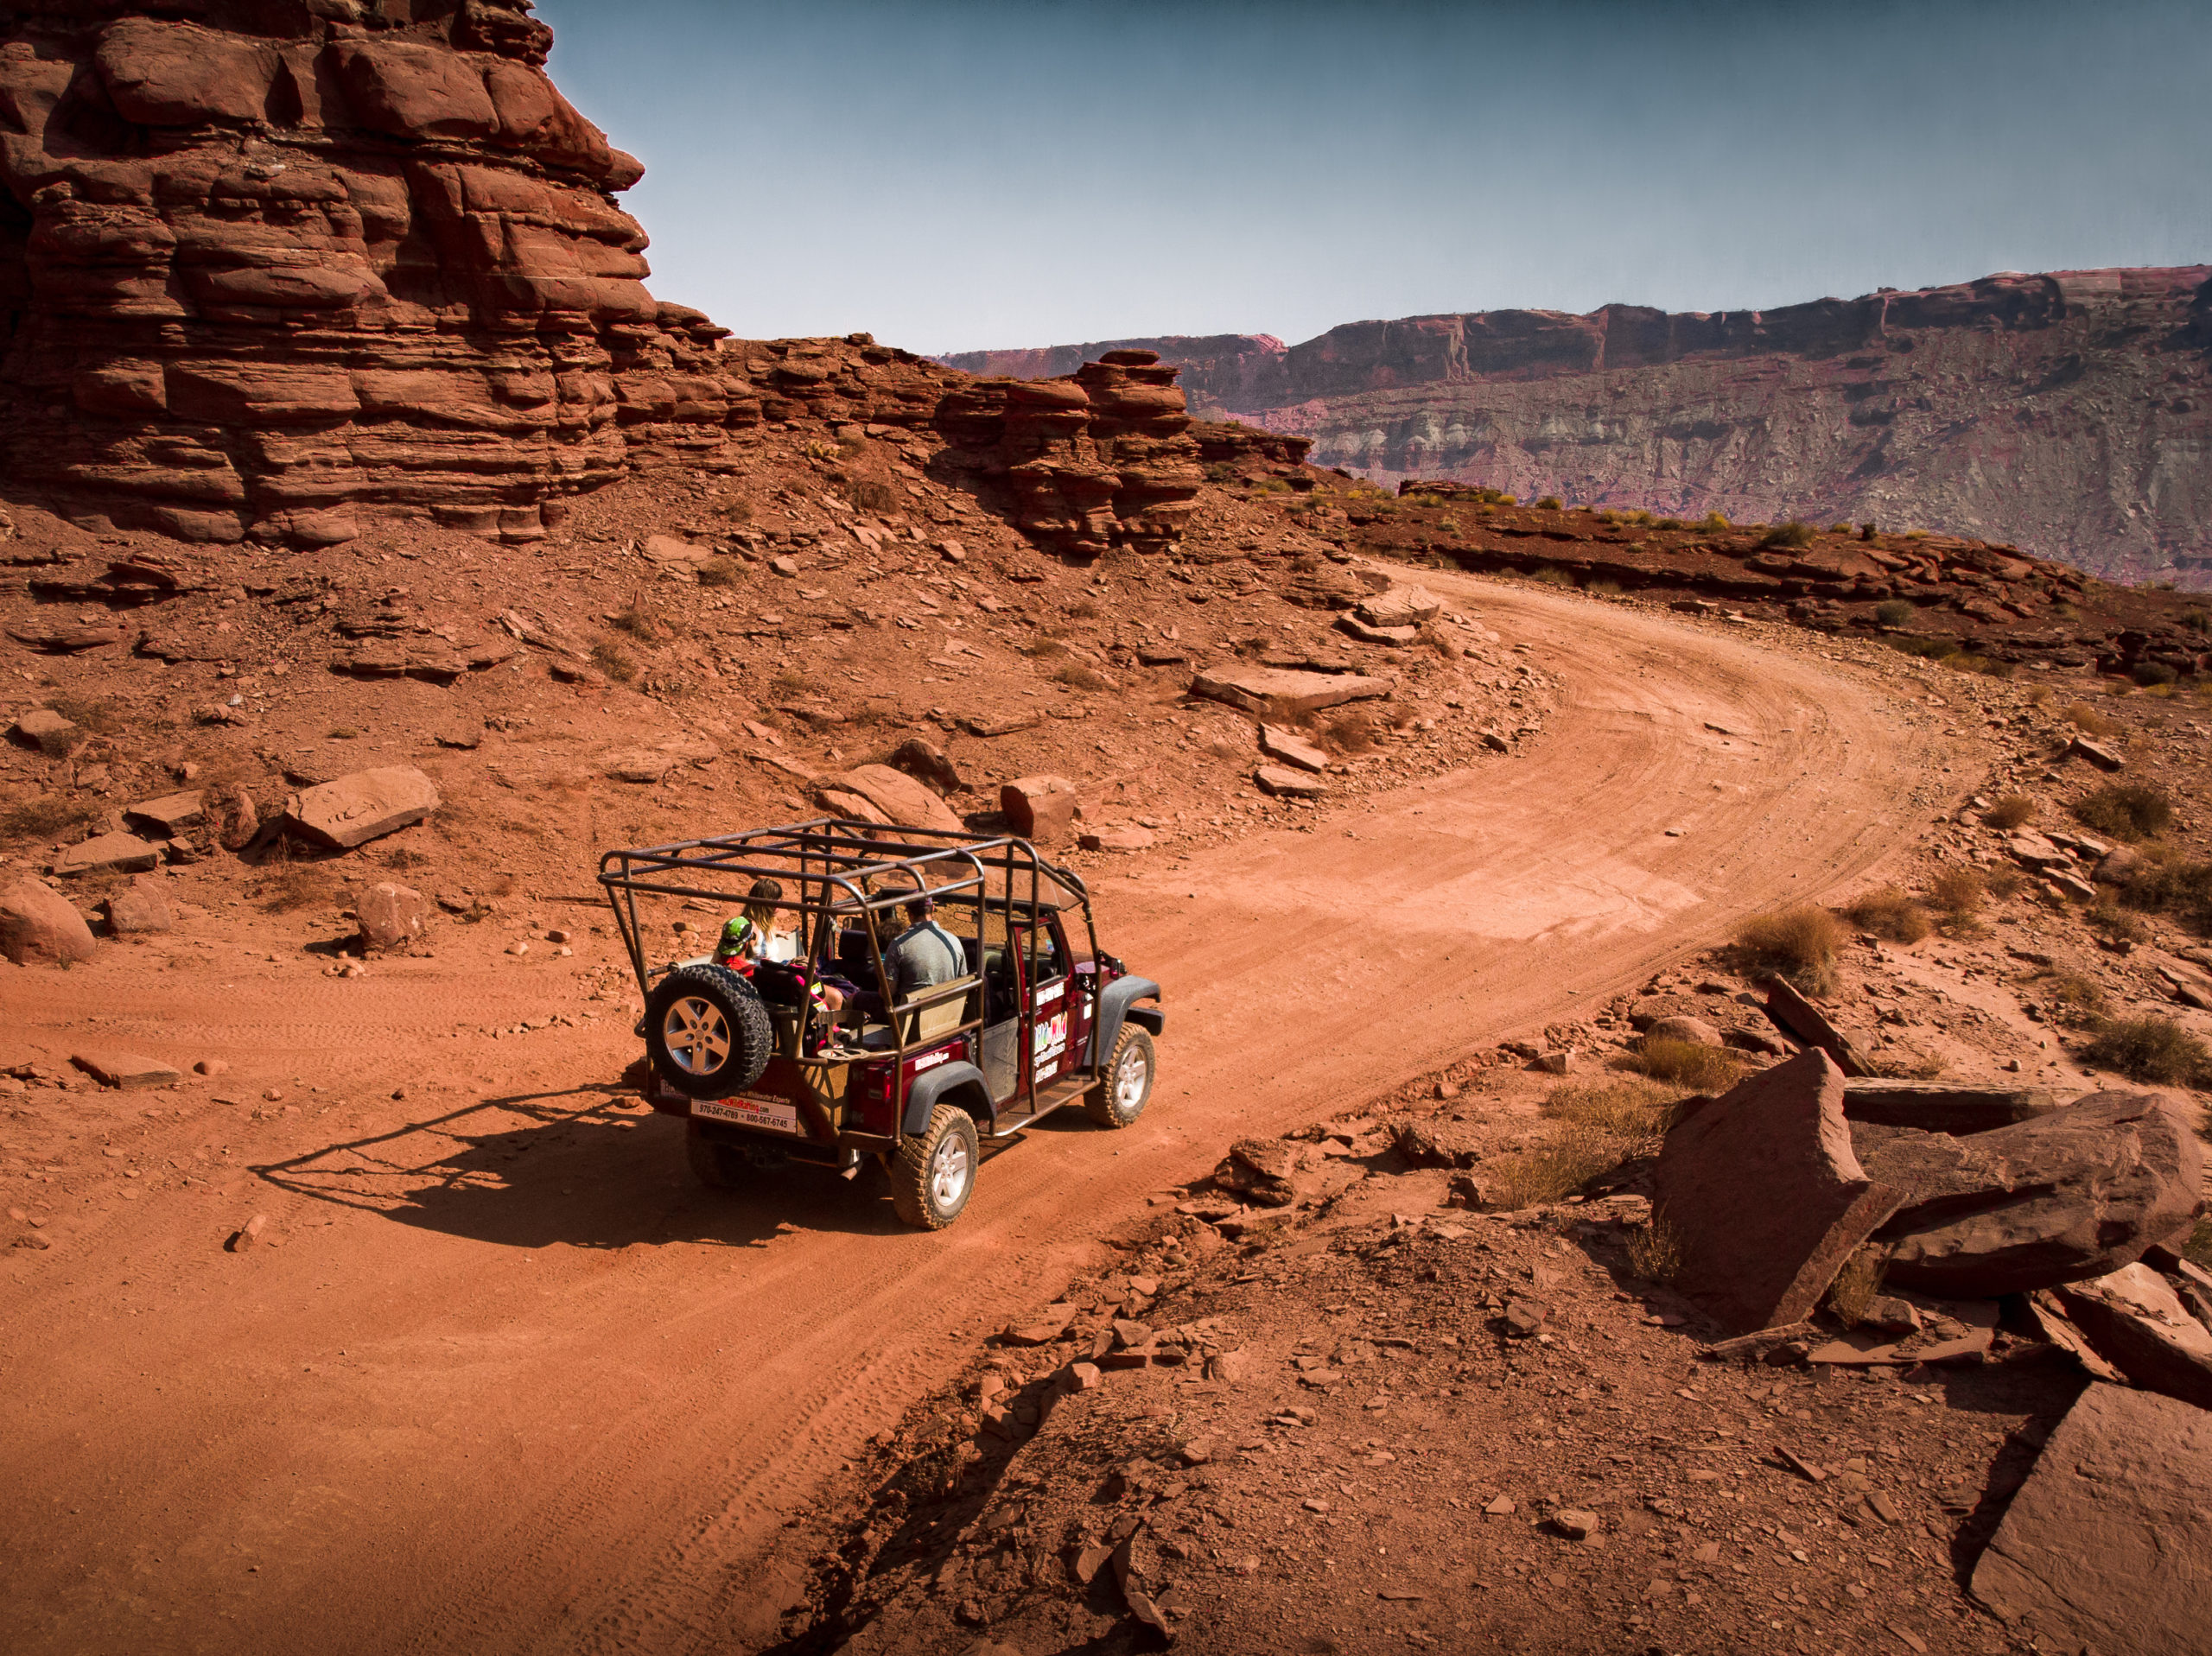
(707, 1032)
(1126, 1087)
(717, 1166)
(934, 1172)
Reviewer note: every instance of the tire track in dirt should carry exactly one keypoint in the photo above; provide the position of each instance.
(578, 1395)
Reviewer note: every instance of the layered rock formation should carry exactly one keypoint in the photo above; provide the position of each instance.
(2071, 414)
(267, 266)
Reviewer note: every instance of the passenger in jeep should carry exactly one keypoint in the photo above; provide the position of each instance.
(746, 939)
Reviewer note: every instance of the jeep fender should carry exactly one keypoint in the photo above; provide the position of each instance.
(958, 1082)
(1114, 1008)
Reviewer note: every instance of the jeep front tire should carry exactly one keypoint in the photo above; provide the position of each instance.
(1126, 1087)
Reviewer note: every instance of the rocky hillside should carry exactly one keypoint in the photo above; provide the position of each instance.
(2067, 413)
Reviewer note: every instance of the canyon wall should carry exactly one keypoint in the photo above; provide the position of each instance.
(2069, 412)
(269, 267)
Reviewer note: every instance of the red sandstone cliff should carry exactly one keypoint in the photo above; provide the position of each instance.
(2070, 412)
(270, 266)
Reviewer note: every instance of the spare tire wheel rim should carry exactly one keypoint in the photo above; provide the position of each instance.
(949, 1172)
(1130, 1080)
(696, 1035)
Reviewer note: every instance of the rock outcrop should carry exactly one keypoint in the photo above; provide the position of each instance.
(2064, 412)
(268, 269)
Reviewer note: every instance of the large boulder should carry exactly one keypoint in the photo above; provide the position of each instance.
(2139, 1325)
(141, 910)
(900, 798)
(2077, 1193)
(2108, 1544)
(1041, 810)
(391, 914)
(40, 927)
(361, 807)
(1762, 1193)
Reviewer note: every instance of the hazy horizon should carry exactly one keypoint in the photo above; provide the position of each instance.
(971, 174)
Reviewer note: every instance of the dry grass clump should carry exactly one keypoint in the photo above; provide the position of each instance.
(611, 659)
(1798, 943)
(2107, 919)
(1685, 1063)
(1351, 732)
(1890, 914)
(101, 718)
(1851, 1294)
(2070, 998)
(2087, 720)
(2197, 1250)
(1076, 677)
(1601, 1126)
(2174, 884)
(721, 572)
(291, 886)
(46, 817)
(2126, 810)
(2150, 1049)
(1958, 891)
(1655, 1252)
(2003, 883)
(1791, 534)
(2009, 811)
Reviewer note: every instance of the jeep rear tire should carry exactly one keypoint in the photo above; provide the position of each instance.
(934, 1172)
(707, 1032)
(1126, 1087)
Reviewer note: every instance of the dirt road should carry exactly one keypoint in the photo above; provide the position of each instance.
(509, 1382)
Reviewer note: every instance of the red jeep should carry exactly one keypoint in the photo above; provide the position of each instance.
(766, 1074)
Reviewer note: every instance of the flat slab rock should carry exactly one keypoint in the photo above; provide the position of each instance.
(125, 1070)
(1282, 692)
(2108, 1543)
(2072, 1194)
(109, 853)
(363, 806)
(1764, 1192)
(1943, 1107)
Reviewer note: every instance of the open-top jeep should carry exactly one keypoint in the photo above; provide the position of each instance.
(767, 1075)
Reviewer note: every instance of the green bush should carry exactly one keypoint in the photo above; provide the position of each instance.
(1791, 534)
(1894, 612)
(2150, 673)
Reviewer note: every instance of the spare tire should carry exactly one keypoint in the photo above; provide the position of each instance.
(707, 1032)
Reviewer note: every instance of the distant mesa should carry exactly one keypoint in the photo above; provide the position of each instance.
(2069, 413)
(271, 268)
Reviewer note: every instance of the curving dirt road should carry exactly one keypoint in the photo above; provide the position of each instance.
(511, 1382)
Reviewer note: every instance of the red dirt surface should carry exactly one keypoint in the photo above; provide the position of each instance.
(499, 1377)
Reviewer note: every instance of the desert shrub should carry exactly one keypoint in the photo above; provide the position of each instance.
(1686, 1063)
(2107, 919)
(789, 680)
(2171, 885)
(610, 659)
(635, 618)
(1609, 516)
(1712, 522)
(2151, 673)
(872, 494)
(1894, 612)
(1654, 1251)
(1668, 523)
(2004, 882)
(1791, 534)
(2009, 811)
(1552, 576)
(1436, 638)
(1635, 1112)
(1598, 1127)
(1044, 649)
(1888, 913)
(1078, 677)
(1958, 892)
(87, 713)
(2126, 810)
(1350, 733)
(46, 817)
(1220, 472)
(1548, 503)
(1798, 943)
(2087, 720)
(1851, 1294)
(2150, 1049)
(721, 572)
(291, 886)
(1838, 528)
(1925, 649)
(2070, 998)
(1083, 609)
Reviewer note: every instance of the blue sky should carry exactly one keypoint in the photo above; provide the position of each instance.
(951, 174)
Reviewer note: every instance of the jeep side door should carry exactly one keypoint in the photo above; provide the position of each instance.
(1059, 1017)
